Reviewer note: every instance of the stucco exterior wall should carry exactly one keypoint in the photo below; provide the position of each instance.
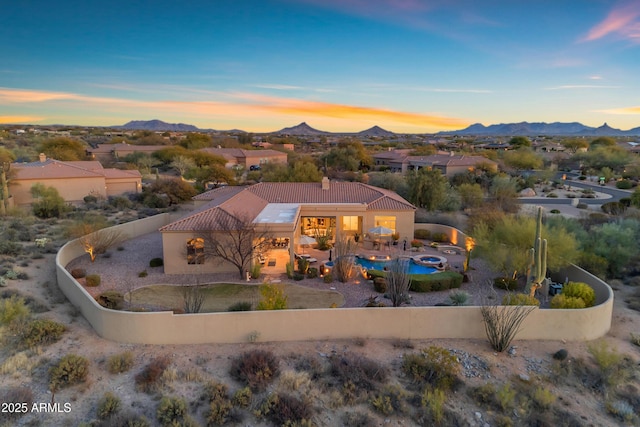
(316, 324)
(72, 190)
(456, 236)
(118, 186)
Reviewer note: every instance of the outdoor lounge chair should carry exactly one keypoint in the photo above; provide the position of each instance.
(305, 256)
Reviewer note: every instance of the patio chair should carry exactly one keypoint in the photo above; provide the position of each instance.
(305, 256)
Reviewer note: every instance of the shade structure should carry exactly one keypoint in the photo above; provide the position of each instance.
(306, 241)
(381, 231)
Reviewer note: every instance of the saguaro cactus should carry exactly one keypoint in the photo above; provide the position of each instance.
(4, 192)
(537, 259)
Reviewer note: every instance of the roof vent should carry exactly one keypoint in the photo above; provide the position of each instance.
(325, 183)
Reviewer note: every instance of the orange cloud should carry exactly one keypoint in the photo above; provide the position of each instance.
(622, 20)
(19, 119)
(623, 110)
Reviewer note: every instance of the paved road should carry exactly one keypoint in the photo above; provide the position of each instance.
(613, 193)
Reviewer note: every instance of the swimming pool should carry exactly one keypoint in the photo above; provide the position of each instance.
(379, 265)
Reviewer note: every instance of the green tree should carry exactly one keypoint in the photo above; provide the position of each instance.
(471, 195)
(195, 140)
(506, 245)
(427, 188)
(503, 191)
(182, 164)
(348, 156)
(605, 141)
(615, 242)
(522, 159)
(47, 202)
(65, 149)
(520, 141)
(600, 157)
(215, 174)
(573, 145)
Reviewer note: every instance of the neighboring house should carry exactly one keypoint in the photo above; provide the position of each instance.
(247, 158)
(73, 180)
(449, 164)
(287, 210)
(108, 152)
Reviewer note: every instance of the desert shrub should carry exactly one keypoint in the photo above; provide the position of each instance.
(171, 411)
(70, 369)
(506, 283)
(312, 273)
(484, 394)
(156, 262)
(110, 299)
(242, 397)
(552, 195)
(361, 372)
(622, 411)
(458, 298)
(148, 379)
(219, 409)
(41, 332)
(390, 400)
(143, 273)
(78, 273)
(554, 211)
(433, 400)
(380, 284)
(93, 280)
(563, 301)
(328, 278)
(10, 248)
(119, 363)
(435, 366)
(303, 265)
(13, 309)
(609, 361)
(415, 243)
(624, 184)
(543, 398)
(297, 276)
(126, 419)
(256, 368)
(272, 297)
(520, 299)
(286, 410)
(580, 290)
(15, 395)
(582, 205)
(502, 323)
(440, 237)
(88, 199)
(357, 419)
(108, 406)
(289, 270)
(256, 269)
(506, 397)
(240, 306)
(435, 282)
(635, 339)
(613, 208)
(422, 234)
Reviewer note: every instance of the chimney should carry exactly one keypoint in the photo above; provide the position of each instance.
(325, 183)
(450, 153)
(43, 158)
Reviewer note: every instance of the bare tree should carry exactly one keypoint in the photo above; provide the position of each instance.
(193, 298)
(97, 242)
(344, 265)
(502, 323)
(398, 280)
(236, 240)
(182, 164)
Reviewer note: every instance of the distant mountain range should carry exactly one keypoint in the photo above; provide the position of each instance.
(534, 129)
(503, 129)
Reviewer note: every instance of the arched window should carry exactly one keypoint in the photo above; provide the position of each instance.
(195, 251)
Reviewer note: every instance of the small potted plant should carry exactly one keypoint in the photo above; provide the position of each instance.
(356, 237)
(395, 237)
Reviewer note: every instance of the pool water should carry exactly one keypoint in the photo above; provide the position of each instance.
(379, 265)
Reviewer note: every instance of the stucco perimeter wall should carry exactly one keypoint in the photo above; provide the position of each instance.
(456, 236)
(320, 324)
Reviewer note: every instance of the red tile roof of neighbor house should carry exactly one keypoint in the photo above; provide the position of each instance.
(249, 201)
(56, 169)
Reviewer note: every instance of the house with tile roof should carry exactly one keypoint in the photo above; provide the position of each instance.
(285, 211)
(247, 158)
(120, 150)
(449, 164)
(73, 180)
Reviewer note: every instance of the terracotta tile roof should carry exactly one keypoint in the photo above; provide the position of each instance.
(121, 173)
(112, 148)
(248, 202)
(56, 169)
(238, 153)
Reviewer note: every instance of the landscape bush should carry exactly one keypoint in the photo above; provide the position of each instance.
(272, 297)
(435, 282)
(563, 301)
(108, 406)
(111, 299)
(328, 278)
(256, 369)
(613, 208)
(240, 306)
(70, 369)
(242, 397)
(78, 273)
(440, 237)
(390, 400)
(285, 410)
(312, 273)
(580, 290)
(148, 379)
(624, 184)
(434, 365)
(119, 363)
(93, 280)
(458, 298)
(416, 243)
(41, 332)
(506, 283)
(217, 396)
(156, 262)
(143, 273)
(520, 299)
(422, 234)
(380, 284)
(13, 309)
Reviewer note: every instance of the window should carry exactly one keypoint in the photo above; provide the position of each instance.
(385, 221)
(195, 251)
(350, 223)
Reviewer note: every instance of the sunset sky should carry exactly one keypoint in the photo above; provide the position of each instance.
(340, 65)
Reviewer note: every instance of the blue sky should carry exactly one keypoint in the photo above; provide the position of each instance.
(340, 65)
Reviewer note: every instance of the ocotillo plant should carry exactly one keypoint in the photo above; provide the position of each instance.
(537, 259)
